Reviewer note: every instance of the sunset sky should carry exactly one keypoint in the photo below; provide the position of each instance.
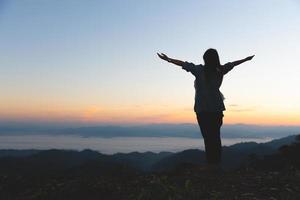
(95, 62)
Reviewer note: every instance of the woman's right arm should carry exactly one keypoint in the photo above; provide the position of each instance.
(229, 66)
(235, 63)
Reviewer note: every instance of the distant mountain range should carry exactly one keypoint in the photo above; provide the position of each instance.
(153, 130)
(257, 171)
(233, 157)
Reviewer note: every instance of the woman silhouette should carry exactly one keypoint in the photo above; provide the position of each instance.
(209, 104)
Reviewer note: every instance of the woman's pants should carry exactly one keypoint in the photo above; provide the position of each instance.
(210, 124)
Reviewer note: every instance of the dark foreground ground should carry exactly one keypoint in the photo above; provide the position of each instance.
(89, 175)
(187, 183)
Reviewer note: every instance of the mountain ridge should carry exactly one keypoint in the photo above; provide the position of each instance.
(233, 156)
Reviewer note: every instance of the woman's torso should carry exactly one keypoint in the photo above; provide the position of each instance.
(208, 97)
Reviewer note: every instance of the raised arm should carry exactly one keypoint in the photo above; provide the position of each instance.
(171, 60)
(237, 62)
(229, 66)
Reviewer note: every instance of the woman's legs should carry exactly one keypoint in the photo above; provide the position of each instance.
(210, 124)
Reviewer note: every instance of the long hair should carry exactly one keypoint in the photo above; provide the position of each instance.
(211, 63)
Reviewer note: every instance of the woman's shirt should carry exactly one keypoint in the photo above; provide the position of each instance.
(208, 97)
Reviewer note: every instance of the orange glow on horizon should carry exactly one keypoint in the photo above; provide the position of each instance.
(146, 115)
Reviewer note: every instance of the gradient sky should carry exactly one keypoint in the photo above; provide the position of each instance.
(91, 62)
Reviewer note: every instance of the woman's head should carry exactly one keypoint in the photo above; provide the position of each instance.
(211, 58)
(211, 62)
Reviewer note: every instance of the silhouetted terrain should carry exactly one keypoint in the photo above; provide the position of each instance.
(151, 130)
(257, 171)
(233, 156)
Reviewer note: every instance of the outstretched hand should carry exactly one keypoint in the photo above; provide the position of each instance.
(163, 56)
(250, 57)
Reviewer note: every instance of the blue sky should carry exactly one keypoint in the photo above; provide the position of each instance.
(95, 61)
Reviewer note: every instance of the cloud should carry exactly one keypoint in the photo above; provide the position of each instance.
(243, 110)
(238, 108)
